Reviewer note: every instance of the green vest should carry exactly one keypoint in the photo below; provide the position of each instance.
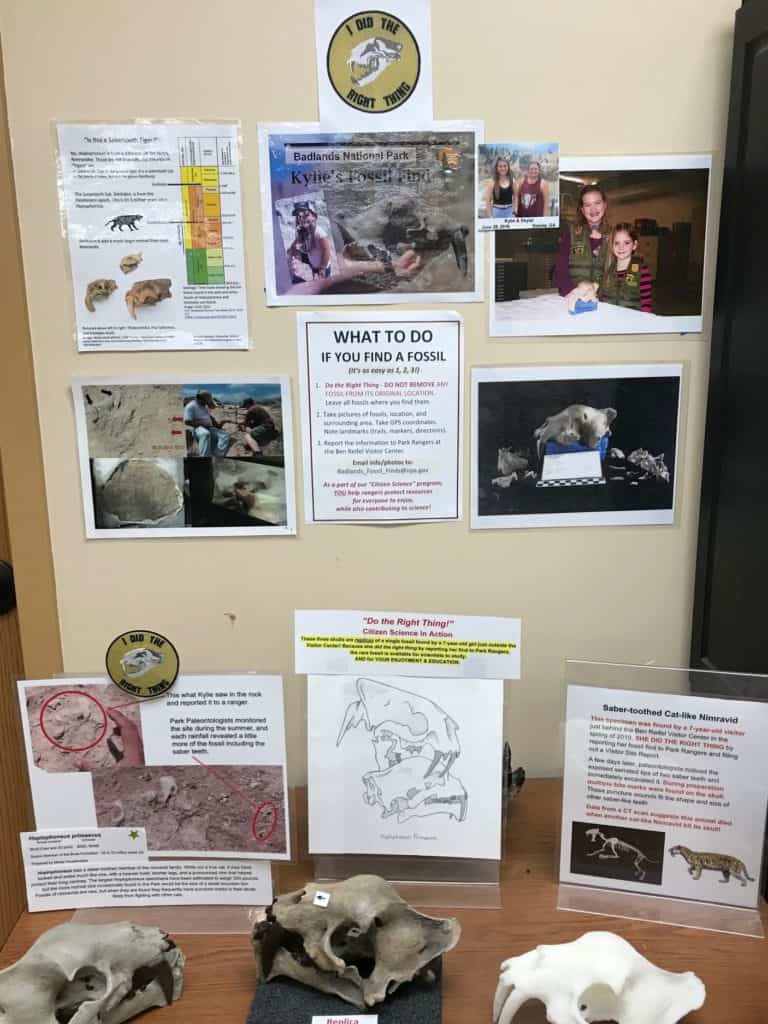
(626, 292)
(582, 266)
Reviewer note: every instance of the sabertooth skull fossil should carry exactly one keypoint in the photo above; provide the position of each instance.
(91, 974)
(360, 945)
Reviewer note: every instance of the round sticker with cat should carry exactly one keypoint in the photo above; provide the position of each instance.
(373, 62)
(142, 662)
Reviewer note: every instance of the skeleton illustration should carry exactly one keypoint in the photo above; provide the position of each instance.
(415, 744)
(613, 847)
(371, 58)
(139, 661)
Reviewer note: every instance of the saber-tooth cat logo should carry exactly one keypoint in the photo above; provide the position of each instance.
(373, 62)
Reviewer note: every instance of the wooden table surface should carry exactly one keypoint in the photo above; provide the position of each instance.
(220, 971)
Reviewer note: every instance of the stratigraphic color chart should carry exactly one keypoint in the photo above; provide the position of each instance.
(200, 160)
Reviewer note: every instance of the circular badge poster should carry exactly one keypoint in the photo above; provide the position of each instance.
(373, 62)
(142, 663)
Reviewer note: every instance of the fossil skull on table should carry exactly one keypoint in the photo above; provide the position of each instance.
(598, 977)
(356, 939)
(91, 974)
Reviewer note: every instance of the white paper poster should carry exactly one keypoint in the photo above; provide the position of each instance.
(173, 457)
(153, 217)
(664, 794)
(374, 67)
(201, 769)
(381, 408)
(407, 643)
(400, 765)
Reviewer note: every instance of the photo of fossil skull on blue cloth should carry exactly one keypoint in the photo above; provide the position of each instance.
(574, 445)
(369, 216)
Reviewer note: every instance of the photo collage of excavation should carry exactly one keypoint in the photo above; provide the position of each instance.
(182, 456)
(198, 808)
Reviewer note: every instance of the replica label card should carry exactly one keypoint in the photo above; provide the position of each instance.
(201, 769)
(664, 794)
(366, 1018)
(369, 217)
(154, 224)
(407, 764)
(374, 67)
(409, 643)
(381, 416)
(168, 457)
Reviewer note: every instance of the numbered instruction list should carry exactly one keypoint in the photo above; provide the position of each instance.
(381, 415)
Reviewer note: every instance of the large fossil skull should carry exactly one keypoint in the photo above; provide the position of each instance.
(599, 977)
(360, 944)
(91, 974)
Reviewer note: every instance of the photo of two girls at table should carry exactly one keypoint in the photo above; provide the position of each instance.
(636, 235)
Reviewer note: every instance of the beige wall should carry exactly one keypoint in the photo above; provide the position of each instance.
(603, 78)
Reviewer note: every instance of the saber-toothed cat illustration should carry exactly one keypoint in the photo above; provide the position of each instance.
(124, 220)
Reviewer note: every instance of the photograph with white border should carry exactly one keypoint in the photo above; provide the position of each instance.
(519, 185)
(174, 457)
(355, 218)
(627, 258)
(589, 445)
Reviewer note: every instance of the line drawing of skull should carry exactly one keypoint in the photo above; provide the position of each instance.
(92, 974)
(139, 661)
(373, 56)
(415, 744)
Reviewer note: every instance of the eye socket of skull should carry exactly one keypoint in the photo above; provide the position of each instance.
(88, 983)
(355, 947)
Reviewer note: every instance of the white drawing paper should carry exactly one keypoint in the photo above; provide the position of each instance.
(404, 765)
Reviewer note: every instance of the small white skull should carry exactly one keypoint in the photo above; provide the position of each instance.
(91, 974)
(598, 977)
(360, 944)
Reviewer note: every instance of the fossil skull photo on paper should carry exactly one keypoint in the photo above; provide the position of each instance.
(414, 745)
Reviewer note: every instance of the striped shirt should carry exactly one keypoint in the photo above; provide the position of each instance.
(646, 288)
